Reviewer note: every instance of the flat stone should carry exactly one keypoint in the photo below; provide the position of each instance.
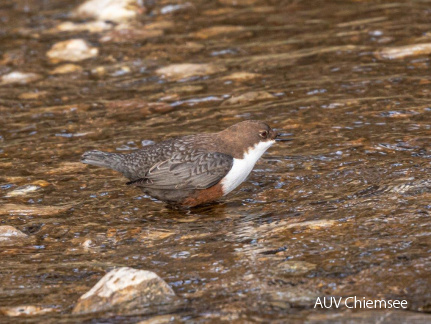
(187, 70)
(401, 52)
(84, 244)
(249, 97)
(242, 76)
(25, 310)
(149, 236)
(125, 289)
(63, 168)
(15, 57)
(161, 24)
(219, 11)
(161, 319)
(137, 107)
(175, 8)
(293, 296)
(22, 191)
(110, 10)
(186, 89)
(66, 68)
(19, 78)
(73, 50)
(193, 47)
(130, 33)
(33, 95)
(316, 224)
(14, 209)
(114, 70)
(91, 27)
(9, 233)
(292, 267)
(239, 3)
(217, 31)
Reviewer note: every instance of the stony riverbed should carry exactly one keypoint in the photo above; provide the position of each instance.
(342, 210)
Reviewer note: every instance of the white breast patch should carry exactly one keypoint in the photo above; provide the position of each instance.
(241, 168)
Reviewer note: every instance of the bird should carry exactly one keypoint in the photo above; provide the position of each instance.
(194, 169)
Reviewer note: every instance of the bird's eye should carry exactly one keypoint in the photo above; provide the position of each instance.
(263, 134)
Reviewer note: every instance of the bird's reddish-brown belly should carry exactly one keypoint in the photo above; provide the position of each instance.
(204, 196)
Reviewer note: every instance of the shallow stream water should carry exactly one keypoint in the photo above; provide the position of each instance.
(342, 210)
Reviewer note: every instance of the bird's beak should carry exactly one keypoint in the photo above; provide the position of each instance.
(283, 137)
(273, 134)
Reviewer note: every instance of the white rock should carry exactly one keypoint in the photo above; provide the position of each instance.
(119, 279)
(19, 78)
(25, 310)
(9, 232)
(242, 76)
(295, 267)
(66, 68)
(72, 50)
(33, 95)
(91, 26)
(112, 10)
(22, 191)
(162, 319)
(249, 97)
(402, 52)
(314, 224)
(13, 209)
(172, 8)
(125, 289)
(187, 70)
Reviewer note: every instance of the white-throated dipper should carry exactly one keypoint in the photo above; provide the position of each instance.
(194, 169)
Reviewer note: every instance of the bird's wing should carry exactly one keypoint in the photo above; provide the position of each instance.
(196, 170)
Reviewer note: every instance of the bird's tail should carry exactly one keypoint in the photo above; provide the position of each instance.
(104, 159)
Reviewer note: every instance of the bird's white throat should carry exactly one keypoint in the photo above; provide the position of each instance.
(241, 168)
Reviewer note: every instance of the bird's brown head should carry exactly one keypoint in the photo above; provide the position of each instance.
(240, 137)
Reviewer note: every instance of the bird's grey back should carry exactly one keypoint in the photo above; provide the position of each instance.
(136, 164)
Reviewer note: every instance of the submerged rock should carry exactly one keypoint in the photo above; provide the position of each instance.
(186, 89)
(73, 50)
(63, 168)
(240, 3)
(217, 31)
(66, 68)
(162, 319)
(130, 33)
(15, 57)
(110, 10)
(249, 97)
(316, 224)
(91, 26)
(287, 297)
(187, 70)
(160, 24)
(282, 226)
(242, 76)
(13, 209)
(22, 191)
(119, 109)
(9, 233)
(33, 95)
(175, 8)
(25, 310)
(125, 289)
(19, 78)
(292, 267)
(401, 52)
